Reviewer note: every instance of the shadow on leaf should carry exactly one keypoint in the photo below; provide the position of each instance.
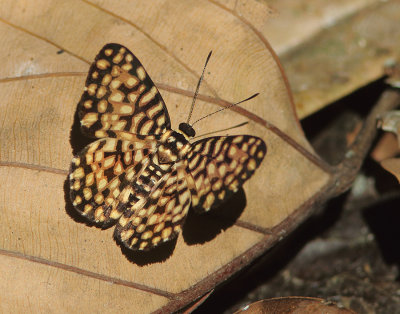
(156, 255)
(201, 228)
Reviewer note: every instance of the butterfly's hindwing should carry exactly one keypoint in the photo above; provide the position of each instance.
(120, 96)
(220, 166)
(158, 217)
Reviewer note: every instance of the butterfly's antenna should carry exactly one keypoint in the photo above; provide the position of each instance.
(198, 87)
(230, 128)
(251, 97)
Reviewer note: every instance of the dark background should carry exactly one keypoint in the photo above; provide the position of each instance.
(348, 252)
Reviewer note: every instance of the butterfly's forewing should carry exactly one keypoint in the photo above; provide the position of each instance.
(220, 165)
(119, 101)
(120, 96)
(102, 175)
(158, 217)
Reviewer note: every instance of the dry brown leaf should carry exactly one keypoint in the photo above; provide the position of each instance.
(385, 149)
(294, 305)
(331, 48)
(392, 70)
(393, 166)
(47, 48)
(390, 122)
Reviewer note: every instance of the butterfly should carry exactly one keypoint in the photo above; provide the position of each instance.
(139, 174)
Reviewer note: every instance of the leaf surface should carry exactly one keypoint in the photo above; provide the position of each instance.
(47, 49)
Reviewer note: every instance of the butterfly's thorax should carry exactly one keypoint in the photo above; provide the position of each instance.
(173, 147)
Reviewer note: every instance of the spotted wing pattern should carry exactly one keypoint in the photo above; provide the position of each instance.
(120, 96)
(139, 174)
(220, 166)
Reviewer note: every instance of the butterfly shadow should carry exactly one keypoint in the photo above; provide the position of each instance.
(197, 229)
(155, 255)
(204, 227)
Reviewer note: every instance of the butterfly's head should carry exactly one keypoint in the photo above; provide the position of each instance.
(187, 129)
